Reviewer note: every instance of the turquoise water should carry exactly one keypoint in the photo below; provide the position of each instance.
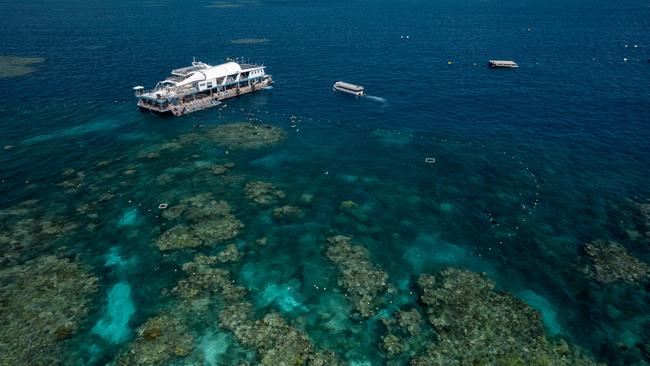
(530, 164)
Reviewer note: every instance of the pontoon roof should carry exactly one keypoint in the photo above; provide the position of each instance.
(503, 62)
(349, 86)
(212, 72)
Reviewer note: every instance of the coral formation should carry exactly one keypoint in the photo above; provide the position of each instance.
(410, 321)
(156, 151)
(203, 279)
(160, 340)
(263, 193)
(198, 207)
(230, 254)
(166, 336)
(404, 335)
(28, 227)
(219, 169)
(178, 237)
(11, 66)
(276, 342)
(246, 136)
(249, 41)
(477, 325)
(348, 205)
(363, 282)
(287, 212)
(224, 5)
(41, 304)
(392, 344)
(218, 231)
(610, 262)
(636, 222)
(212, 221)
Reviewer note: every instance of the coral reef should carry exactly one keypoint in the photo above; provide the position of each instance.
(225, 5)
(28, 227)
(276, 342)
(392, 344)
(156, 151)
(230, 254)
(41, 304)
(246, 136)
(363, 282)
(262, 193)
(11, 66)
(636, 221)
(74, 180)
(410, 321)
(250, 41)
(287, 213)
(477, 325)
(218, 231)
(219, 169)
(199, 207)
(204, 279)
(348, 205)
(405, 335)
(178, 237)
(160, 340)
(166, 336)
(212, 221)
(610, 262)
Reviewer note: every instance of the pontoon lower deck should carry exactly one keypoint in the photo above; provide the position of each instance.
(198, 101)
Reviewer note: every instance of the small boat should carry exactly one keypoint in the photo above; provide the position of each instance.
(349, 88)
(503, 64)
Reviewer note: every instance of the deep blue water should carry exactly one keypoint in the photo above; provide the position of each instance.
(553, 151)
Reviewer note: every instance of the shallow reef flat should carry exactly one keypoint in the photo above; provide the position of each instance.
(28, 227)
(610, 262)
(364, 283)
(209, 222)
(250, 41)
(42, 304)
(254, 258)
(244, 135)
(232, 4)
(12, 66)
(477, 325)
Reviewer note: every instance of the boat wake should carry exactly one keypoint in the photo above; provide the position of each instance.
(376, 99)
